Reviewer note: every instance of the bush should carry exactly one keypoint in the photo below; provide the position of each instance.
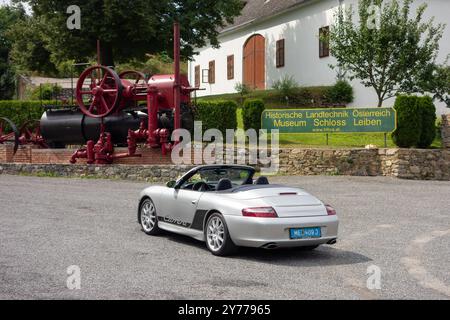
(409, 124)
(20, 112)
(301, 97)
(242, 88)
(46, 91)
(286, 87)
(220, 114)
(340, 93)
(251, 113)
(428, 113)
(416, 122)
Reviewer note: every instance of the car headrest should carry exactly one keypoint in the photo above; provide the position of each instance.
(224, 184)
(262, 180)
(249, 180)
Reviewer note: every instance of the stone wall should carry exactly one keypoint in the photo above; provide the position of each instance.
(360, 162)
(402, 163)
(446, 131)
(421, 164)
(149, 173)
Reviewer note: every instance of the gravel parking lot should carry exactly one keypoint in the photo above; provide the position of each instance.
(48, 224)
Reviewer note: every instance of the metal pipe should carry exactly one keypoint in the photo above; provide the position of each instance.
(152, 105)
(99, 62)
(176, 61)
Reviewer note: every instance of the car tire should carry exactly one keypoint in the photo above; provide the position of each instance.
(218, 240)
(148, 218)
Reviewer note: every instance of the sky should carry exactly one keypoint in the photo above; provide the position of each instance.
(3, 2)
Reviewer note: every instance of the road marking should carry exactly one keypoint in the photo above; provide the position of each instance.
(385, 226)
(414, 266)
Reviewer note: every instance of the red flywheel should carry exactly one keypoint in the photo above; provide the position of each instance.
(99, 91)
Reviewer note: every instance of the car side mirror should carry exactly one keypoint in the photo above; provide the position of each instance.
(171, 184)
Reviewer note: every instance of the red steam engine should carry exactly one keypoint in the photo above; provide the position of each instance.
(116, 110)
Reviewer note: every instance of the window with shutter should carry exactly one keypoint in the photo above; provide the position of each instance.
(280, 53)
(197, 76)
(230, 67)
(212, 72)
(324, 45)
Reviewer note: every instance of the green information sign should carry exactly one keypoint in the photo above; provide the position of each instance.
(336, 120)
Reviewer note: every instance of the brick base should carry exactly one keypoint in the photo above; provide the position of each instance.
(32, 155)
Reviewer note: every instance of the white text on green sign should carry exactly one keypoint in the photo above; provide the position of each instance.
(329, 120)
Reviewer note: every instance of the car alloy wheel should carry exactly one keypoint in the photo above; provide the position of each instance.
(148, 216)
(215, 233)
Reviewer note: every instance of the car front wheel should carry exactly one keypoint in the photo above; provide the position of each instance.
(218, 239)
(148, 217)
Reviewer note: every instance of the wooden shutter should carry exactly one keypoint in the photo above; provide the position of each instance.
(230, 67)
(197, 76)
(280, 53)
(212, 72)
(324, 45)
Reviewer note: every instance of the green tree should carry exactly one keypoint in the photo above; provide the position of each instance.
(389, 50)
(29, 50)
(130, 29)
(438, 83)
(9, 15)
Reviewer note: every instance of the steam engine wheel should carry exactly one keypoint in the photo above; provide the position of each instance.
(99, 91)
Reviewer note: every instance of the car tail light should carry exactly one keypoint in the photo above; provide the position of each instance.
(261, 212)
(330, 210)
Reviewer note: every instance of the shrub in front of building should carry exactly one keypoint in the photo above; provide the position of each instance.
(300, 97)
(217, 114)
(251, 113)
(341, 93)
(416, 117)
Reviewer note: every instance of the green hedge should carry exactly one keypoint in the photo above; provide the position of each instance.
(416, 117)
(302, 97)
(20, 112)
(251, 113)
(428, 111)
(220, 114)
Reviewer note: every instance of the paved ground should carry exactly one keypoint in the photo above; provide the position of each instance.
(48, 224)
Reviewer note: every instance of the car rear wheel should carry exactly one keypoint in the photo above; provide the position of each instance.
(148, 217)
(218, 239)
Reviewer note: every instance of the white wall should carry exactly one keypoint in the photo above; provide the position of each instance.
(300, 28)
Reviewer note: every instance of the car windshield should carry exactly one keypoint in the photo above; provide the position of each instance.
(237, 176)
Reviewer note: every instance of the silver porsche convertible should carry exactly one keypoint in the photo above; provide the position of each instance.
(226, 207)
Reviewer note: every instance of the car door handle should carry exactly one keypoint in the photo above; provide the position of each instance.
(194, 201)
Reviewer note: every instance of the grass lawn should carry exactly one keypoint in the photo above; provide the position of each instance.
(337, 140)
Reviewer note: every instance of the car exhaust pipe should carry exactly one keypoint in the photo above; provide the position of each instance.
(271, 245)
(332, 241)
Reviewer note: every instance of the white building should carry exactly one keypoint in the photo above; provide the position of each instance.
(290, 30)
